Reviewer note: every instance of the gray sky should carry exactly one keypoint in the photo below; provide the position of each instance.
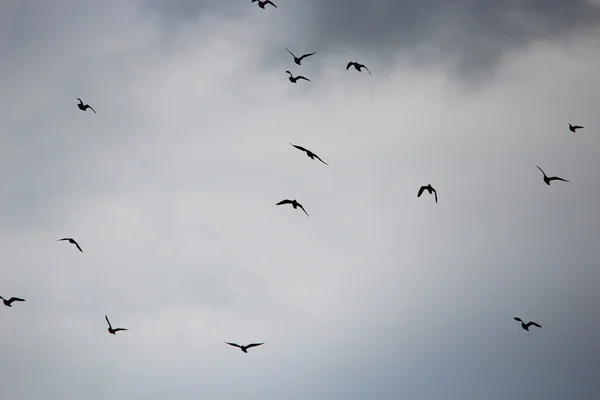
(170, 190)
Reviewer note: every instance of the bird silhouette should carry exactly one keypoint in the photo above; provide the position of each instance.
(527, 325)
(298, 60)
(110, 328)
(84, 107)
(430, 189)
(8, 302)
(357, 66)
(262, 4)
(554, 178)
(309, 153)
(294, 79)
(72, 241)
(573, 128)
(244, 348)
(294, 204)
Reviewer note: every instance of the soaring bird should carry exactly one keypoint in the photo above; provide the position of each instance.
(110, 328)
(294, 204)
(298, 60)
(554, 178)
(357, 66)
(527, 325)
(262, 4)
(8, 302)
(293, 80)
(574, 128)
(72, 241)
(84, 107)
(309, 153)
(244, 348)
(430, 189)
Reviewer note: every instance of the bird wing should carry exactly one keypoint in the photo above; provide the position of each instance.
(301, 77)
(284, 202)
(320, 159)
(290, 52)
(541, 170)
(77, 244)
(63, 239)
(556, 178)
(298, 147)
(578, 127)
(14, 299)
(307, 55)
(420, 191)
(300, 205)
(534, 324)
(109, 325)
(367, 70)
(253, 345)
(435, 193)
(119, 329)
(349, 64)
(233, 344)
(271, 3)
(90, 107)
(518, 319)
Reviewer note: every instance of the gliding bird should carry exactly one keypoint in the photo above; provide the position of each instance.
(357, 66)
(294, 204)
(72, 241)
(244, 348)
(574, 128)
(262, 4)
(294, 79)
(8, 302)
(527, 325)
(309, 153)
(554, 178)
(430, 189)
(84, 107)
(110, 328)
(298, 60)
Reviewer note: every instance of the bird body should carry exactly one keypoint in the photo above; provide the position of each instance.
(527, 325)
(72, 241)
(244, 348)
(573, 128)
(547, 180)
(357, 66)
(110, 328)
(309, 153)
(84, 107)
(294, 79)
(430, 189)
(294, 204)
(298, 60)
(262, 4)
(8, 303)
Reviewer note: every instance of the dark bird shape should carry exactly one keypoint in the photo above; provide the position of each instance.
(84, 107)
(8, 302)
(294, 204)
(309, 153)
(573, 128)
(293, 80)
(244, 348)
(262, 4)
(110, 328)
(357, 66)
(72, 241)
(527, 325)
(554, 178)
(298, 60)
(430, 189)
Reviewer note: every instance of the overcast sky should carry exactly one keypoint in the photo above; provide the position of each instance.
(171, 189)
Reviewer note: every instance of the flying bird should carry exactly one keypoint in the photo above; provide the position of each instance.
(298, 60)
(84, 107)
(244, 348)
(72, 241)
(430, 189)
(294, 204)
(294, 79)
(554, 178)
(573, 128)
(309, 153)
(110, 328)
(8, 302)
(527, 325)
(262, 4)
(357, 66)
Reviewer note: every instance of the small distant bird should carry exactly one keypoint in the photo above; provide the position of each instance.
(309, 153)
(262, 4)
(110, 328)
(574, 128)
(84, 107)
(554, 178)
(298, 60)
(527, 325)
(72, 241)
(357, 66)
(293, 80)
(294, 204)
(430, 189)
(244, 348)
(8, 302)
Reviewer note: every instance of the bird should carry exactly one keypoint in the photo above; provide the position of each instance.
(244, 348)
(110, 328)
(8, 302)
(71, 241)
(309, 153)
(573, 128)
(430, 189)
(293, 80)
(554, 178)
(294, 204)
(84, 107)
(527, 325)
(262, 4)
(357, 66)
(298, 60)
